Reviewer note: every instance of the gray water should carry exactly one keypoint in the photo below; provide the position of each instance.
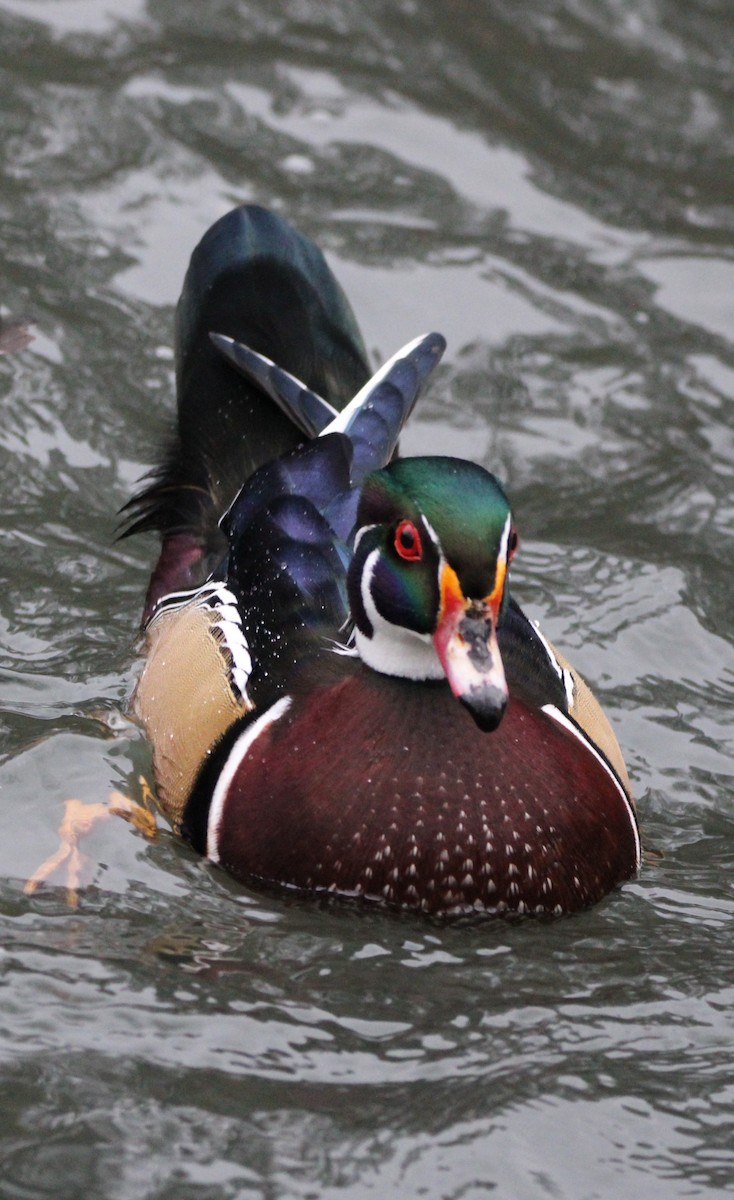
(549, 182)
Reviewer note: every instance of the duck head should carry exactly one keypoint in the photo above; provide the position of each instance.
(428, 580)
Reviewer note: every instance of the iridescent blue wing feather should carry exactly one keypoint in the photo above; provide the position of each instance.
(290, 585)
(374, 419)
(368, 428)
(289, 528)
(318, 471)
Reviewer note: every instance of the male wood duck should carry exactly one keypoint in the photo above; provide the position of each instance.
(341, 693)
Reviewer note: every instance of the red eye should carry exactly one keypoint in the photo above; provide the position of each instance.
(513, 542)
(408, 541)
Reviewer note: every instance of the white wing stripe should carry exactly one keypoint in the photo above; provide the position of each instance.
(236, 756)
(561, 718)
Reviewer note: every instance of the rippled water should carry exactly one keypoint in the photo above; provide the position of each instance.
(551, 185)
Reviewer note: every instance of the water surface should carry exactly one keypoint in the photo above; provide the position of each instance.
(551, 185)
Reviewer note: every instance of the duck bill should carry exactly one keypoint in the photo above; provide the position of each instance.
(467, 647)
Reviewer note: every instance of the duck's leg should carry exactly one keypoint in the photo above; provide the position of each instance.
(140, 813)
(79, 820)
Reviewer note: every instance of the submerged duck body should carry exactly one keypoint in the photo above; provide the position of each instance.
(341, 694)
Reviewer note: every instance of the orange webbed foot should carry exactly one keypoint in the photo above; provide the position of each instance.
(140, 813)
(79, 820)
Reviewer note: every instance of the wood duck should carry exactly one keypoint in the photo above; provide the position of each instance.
(341, 694)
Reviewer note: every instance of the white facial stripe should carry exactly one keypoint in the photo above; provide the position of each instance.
(366, 590)
(236, 756)
(505, 541)
(567, 723)
(432, 534)
(360, 534)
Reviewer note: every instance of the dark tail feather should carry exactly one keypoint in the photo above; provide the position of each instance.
(256, 279)
(308, 411)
